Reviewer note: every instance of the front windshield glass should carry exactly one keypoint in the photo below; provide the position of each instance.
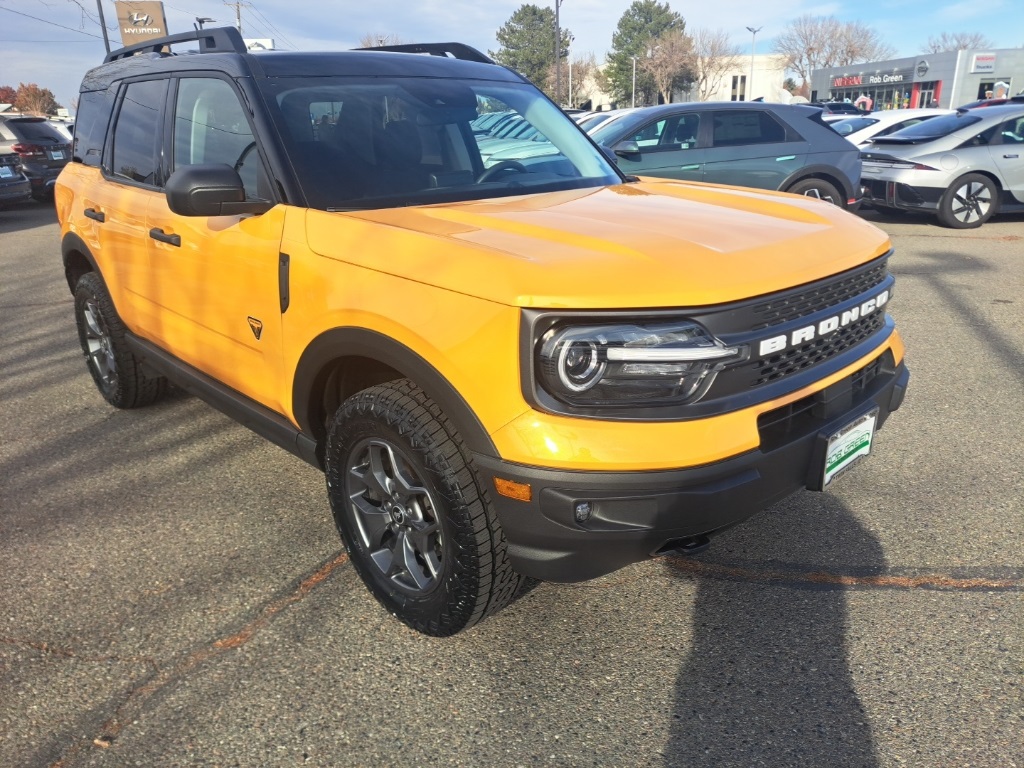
(359, 143)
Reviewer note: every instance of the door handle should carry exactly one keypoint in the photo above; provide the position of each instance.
(158, 234)
(784, 158)
(1011, 157)
(92, 213)
(690, 167)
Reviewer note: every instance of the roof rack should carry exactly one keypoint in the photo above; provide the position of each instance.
(449, 50)
(213, 40)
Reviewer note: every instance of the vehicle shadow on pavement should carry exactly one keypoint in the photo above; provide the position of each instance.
(768, 679)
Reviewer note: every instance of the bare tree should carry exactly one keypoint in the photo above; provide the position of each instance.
(816, 42)
(375, 39)
(581, 71)
(669, 61)
(957, 41)
(713, 57)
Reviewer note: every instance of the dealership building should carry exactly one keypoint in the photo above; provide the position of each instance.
(950, 78)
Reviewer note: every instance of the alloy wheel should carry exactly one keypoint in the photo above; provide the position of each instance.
(100, 352)
(971, 202)
(396, 517)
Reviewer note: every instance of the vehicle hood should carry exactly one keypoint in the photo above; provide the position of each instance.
(649, 244)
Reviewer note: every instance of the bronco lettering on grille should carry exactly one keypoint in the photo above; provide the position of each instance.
(823, 327)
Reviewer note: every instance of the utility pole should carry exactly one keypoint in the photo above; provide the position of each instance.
(103, 26)
(750, 83)
(238, 13)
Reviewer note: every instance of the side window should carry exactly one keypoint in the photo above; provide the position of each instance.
(650, 134)
(5, 133)
(683, 132)
(210, 127)
(94, 108)
(136, 147)
(738, 127)
(982, 139)
(1012, 131)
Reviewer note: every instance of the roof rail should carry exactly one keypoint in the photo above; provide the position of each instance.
(449, 50)
(213, 40)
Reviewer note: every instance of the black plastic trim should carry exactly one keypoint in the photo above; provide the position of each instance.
(72, 243)
(634, 515)
(339, 343)
(284, 280)
(246, 411)
(212, 40)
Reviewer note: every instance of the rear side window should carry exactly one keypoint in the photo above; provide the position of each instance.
(137, 132)
(738, 127)
(94, 109)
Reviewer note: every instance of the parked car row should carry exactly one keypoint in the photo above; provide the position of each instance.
(33, 150)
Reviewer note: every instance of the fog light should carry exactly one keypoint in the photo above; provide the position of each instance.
(583, 511)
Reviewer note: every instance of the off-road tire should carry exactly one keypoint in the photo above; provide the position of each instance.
(461, 572)
(118, 374)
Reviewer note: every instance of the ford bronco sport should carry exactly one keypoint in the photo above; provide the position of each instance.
(538, 368)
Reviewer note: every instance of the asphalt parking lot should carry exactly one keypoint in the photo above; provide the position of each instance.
(173, 591)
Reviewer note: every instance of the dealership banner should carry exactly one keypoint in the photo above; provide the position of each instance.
(140, 20)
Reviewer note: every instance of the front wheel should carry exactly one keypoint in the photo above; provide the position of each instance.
(116, 371)
(969, 202)
(818, 188)
(418, 526)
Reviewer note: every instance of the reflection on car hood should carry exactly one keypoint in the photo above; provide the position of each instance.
(651, 244)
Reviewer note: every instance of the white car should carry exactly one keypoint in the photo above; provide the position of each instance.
(861, 129)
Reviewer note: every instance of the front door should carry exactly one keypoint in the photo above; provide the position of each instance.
(749, 149)
(1007, 149)
(217, 279)
(669, 148)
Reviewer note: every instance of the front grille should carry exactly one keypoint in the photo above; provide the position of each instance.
(820, 296)
(814, 352)
(778, 426)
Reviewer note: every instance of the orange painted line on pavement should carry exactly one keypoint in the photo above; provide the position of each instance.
(934, 581)
(113, 727)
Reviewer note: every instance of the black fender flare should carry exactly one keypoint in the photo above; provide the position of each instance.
(70, 245)
(338, 343)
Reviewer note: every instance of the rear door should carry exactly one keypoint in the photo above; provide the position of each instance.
(749, 148)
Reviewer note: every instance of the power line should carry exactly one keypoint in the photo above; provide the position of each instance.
(45, 41)
(52, 23)
(270, 24)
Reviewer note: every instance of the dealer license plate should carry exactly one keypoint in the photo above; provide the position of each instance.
(5, 172)
(57, 154)
(849, 446)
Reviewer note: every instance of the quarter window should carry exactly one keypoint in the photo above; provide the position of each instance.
(137, 132)
(93, 116)
(210, 126)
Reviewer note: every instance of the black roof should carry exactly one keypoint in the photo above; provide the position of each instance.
(222, 50)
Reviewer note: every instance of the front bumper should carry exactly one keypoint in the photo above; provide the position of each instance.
(634, 515)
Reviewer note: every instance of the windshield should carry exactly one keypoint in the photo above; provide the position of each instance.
(851, 125)
(358, 143)
(935, 128)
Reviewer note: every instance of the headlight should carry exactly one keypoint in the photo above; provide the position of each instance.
(622, 365)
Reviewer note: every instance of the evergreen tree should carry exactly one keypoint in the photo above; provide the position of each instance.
(642, 22)
(527, 43)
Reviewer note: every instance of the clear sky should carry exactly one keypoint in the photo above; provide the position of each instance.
(56, 47)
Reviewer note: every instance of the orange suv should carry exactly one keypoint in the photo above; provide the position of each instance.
(526, 367)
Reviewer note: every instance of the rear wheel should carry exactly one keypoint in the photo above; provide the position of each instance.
(818, 188)
(969, 202)
(418, 526)
(116, 371)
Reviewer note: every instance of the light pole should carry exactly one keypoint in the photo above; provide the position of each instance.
(634, 81)
(568, 56)
(750, 83)
(558, 55)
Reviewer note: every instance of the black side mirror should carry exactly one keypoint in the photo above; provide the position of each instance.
(627, 148)
(213, 189)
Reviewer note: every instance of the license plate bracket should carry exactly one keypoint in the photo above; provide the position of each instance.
(838, 450)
